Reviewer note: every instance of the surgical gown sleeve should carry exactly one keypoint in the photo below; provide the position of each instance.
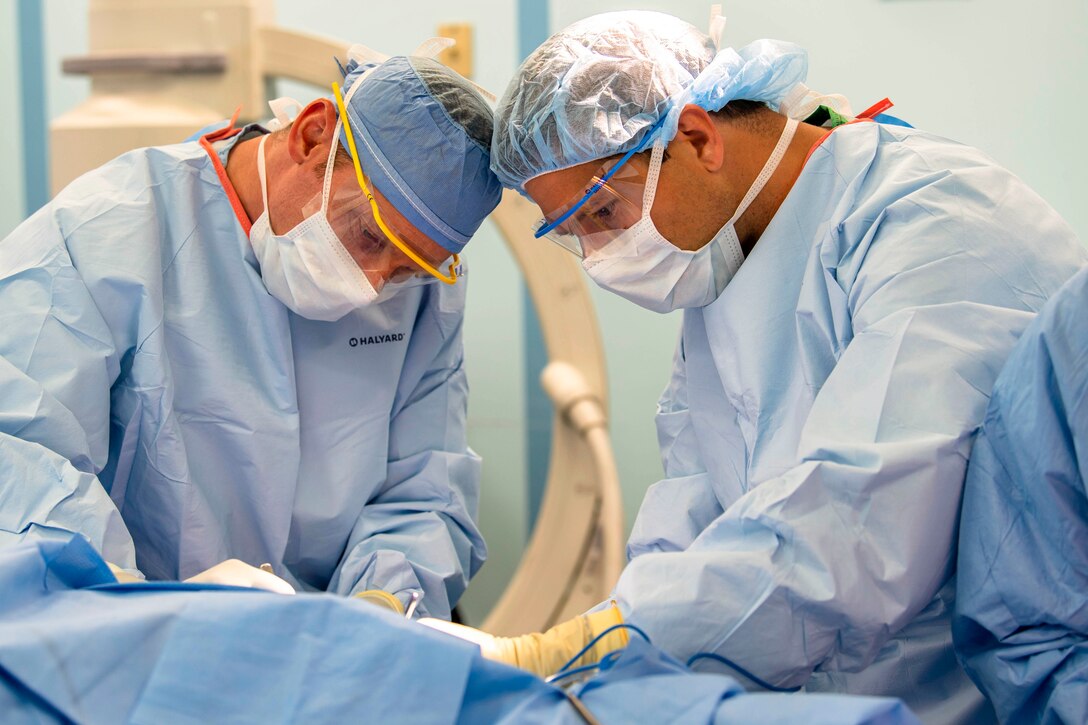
(683, 503)
(418, 532)
(818, 566)
(1021, 624)
(58, 360)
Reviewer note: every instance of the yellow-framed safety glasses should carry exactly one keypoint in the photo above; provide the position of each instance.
(451, 276)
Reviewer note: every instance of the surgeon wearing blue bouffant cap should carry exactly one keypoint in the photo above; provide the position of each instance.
(849, 287)
(238, 360)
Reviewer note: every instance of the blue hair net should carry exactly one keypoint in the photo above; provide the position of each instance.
(592, 90)
(423, 134)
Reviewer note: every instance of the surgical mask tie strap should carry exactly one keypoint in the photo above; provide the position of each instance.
(363, 54)
(284, 111)
(654, 173)
(716, 29)
(326, 182)
(767, 171)
(261, 176)
(432, 47)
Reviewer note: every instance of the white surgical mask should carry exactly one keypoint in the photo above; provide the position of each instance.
(308, 269)
(641, 265)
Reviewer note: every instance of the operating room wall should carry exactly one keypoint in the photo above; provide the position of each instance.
(11, 150)
(999, 75)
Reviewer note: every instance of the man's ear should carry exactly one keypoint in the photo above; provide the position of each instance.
(311, 131)
(697, 128)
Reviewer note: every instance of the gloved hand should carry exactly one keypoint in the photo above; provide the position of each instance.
(543, 654)
(240, 574)
(122, 576)
(379, 598)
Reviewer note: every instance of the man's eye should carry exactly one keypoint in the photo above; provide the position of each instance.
(604, 212)
(563, 231)
(369, 242)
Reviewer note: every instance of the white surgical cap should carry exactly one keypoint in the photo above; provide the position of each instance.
(593, 89)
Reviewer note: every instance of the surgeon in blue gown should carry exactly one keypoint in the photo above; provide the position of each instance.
(1021, 625)
(849, 296)
(225, 353)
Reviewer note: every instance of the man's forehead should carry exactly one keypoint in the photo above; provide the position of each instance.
(557, 188)
(554, 188)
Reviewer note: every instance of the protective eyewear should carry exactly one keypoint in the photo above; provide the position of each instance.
(375, 231)
(351, 218)
(610, 203)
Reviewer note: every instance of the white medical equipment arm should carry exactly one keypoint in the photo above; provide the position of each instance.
(576, 551)
(584, 411)
(161, 69)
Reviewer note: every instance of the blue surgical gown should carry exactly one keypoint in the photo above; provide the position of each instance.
(155, 398)
(820, 414)
(1021, 620)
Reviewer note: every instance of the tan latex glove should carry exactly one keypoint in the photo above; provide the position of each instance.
(544, 653)
(122, 576)
(379, 598)
(240, 574)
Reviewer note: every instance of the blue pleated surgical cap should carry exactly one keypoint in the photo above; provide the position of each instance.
(593, 89)
(423, 134)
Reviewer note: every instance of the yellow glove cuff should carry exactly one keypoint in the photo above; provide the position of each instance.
(543, 654)
(614, 640)
(381, 599)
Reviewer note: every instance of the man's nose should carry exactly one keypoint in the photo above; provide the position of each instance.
(404, 272)
(401, 267)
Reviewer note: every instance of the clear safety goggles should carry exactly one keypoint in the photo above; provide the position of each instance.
(610, 203)
(351, 217)
(384, 246)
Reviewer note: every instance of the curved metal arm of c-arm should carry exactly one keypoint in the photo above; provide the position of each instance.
(576, 551)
